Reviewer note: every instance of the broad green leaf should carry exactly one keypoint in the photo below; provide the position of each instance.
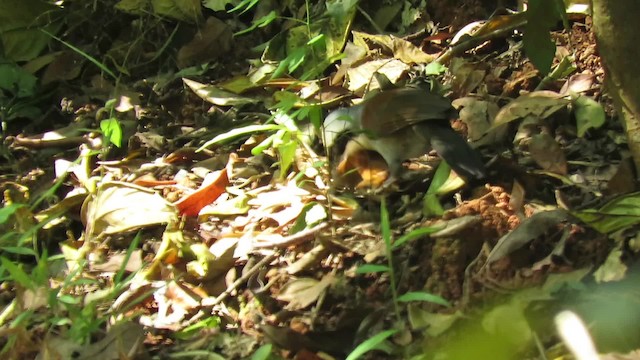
(618, 214)
(589, 114)
(21, 22)
(435, 68)
(68, 299)
(287, 152)
(542, 15)
(539, 47)
(217, 5)
(430, 203)
(262, 353)
(15, 80)
(112, 131)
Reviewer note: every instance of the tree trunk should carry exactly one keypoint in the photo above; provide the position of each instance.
(617, 25)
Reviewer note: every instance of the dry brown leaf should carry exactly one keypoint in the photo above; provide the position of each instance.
(213, 186)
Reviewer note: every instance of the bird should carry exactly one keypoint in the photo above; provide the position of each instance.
(403, 123)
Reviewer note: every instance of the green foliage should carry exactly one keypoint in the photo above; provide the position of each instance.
(423, 296)
(589, 113)
(619, 213)
(260, 23)
(112, 131)
(190, 331)
(263, 353)
(542, 16)
(372, 343)
(71, 313)
(431, 203)
(20, 24)
(100, 65)
(17, 91)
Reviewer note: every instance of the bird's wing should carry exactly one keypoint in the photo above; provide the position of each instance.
(393, 110)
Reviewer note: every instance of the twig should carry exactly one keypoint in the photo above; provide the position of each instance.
(241, 280)
(208, 303)
(293, 239)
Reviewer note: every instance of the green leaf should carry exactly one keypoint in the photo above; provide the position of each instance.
(262, 22)
(287, 152)
(266, 143)
(431, 203)
(209, 323)
(385, 227)
(68, 299)
(15, 80)
(262, 353)
(589, 114)
(21, 22)
(232, 134)
(416, 233)
(97, 63)
(541, 15)
(539, 47)
(311, 214)
(372, 268)
(245, 5)
(217, 5)
(20, 250)
(370, 344)
(112, 131)
(295, 59)
(435, 68)
(7, 211)
(618, 214)
(315, 39)
(17, 274)
(423, 296)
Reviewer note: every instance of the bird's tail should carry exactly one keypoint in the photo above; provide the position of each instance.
(456, 151)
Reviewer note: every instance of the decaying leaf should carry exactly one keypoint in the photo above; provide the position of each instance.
(479, 115)
(360, 76)
(613, 269)
(548, 154)
(528, 230)
(212, 41)
(119, 207)
(302, 292)
(123, 341)
(216, 95)
(401, 49)
(538, 104)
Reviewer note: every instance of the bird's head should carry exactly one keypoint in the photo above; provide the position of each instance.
(339, 122)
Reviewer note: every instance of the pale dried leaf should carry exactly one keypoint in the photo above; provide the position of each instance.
(538, 104)
(217, 96)
(302, 292)
(119, 207)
